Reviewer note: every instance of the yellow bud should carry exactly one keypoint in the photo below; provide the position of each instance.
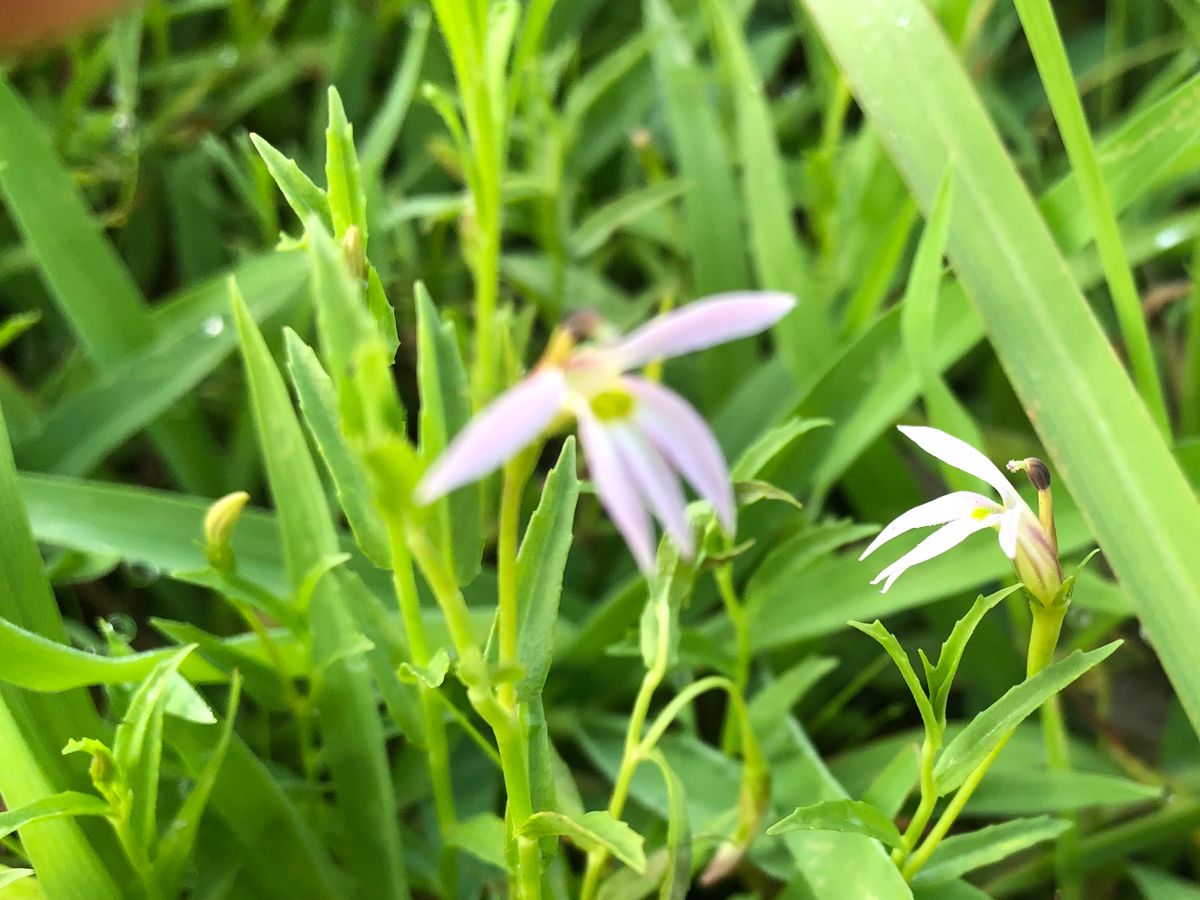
(219, 523)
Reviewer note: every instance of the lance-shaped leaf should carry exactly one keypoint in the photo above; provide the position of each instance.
(304, 197)
(963, 853)
(138, 745)
(56, 806)
(892, 647)
(941, 677)
(987, 729)
(318, 404)
(540, 564)
(852, 816)
(445, 411)
(354, 741)
(347, 200)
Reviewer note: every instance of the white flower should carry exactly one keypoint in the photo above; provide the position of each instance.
(1022, 537)
(638, 436)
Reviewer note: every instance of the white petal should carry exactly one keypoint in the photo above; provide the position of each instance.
(1010, 524)
(687, 442)
(656, 482)
(945, 538)
(617, 491)
(509, 424)
(958, 505)
(961, 455)
(703, 323)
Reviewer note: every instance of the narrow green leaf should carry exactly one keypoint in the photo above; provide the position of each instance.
(318, 404)
(755, 461)
(12, 876)
(68, 803)
(941, 676)
(71, 862)
(963, 853)
(1029, 792)
(1137, 501)
(347, 200)
(304, 197)
(445, 410)
(592, 831)
(712, 212)
(178, 841)
(780, 259)
(891, 645)
(1155, 884)
(976, 741)
(16, 325)
(354, 741)
(852, 816)
(385, 127)
(596, 230)
(540, 564)
(138, 745)
(79, 265)
(1050, 55)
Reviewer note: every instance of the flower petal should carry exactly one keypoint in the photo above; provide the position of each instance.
(657, 482)
(1010, 525)
(958, 505)
(687, 442)
(704, 323)
(617, 490)
(945, 538)
(962, 456)
(510, 423)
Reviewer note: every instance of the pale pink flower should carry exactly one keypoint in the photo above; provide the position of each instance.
(1023, 538)
(638, 436)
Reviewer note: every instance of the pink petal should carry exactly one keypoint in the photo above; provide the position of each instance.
(656, 482)
(958, 505)
(945, 538)
(507, 425)
(958, 453)
(703, 323)
(687, 442)
(616, 489)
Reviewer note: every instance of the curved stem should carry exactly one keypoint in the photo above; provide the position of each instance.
(925, 808)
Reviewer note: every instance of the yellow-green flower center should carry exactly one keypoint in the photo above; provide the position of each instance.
(612, 404)
(980, 513)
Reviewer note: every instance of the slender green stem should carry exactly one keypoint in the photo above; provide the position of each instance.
(929, 796)
(472, 670)
(630, 757)
(1043, 638)
(136, 854)
(741, 663)
(433, 724)
(1050, 55)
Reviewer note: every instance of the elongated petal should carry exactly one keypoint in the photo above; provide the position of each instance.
(945, 538)
(506, 426)
(1010, 525)
(961, 455)
(958, 505)
(617, 490)
(656, 482)
(704, 323)
(687, 442)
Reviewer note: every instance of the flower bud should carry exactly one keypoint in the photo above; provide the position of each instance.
(219, 523)
(1037, 562)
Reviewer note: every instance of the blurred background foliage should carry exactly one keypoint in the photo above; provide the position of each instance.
(659, 152)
